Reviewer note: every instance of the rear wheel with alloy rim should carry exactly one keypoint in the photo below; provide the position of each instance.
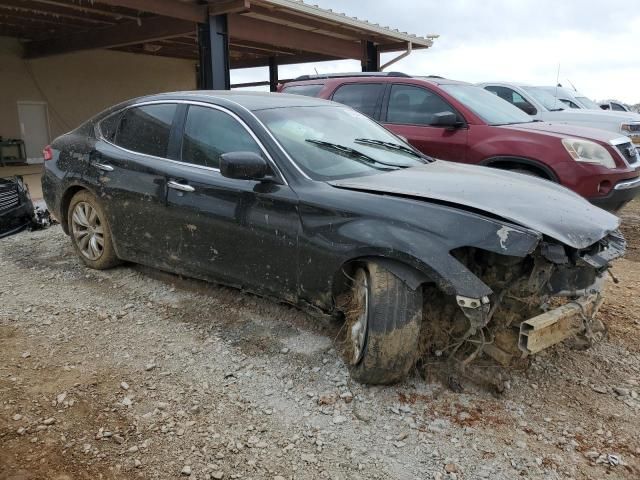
(90, 233)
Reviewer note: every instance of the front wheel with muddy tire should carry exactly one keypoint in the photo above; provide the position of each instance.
(90, 233)
(383, 318)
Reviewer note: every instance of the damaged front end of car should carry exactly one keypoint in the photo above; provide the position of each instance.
(537, 300)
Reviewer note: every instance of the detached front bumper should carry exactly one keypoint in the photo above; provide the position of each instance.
(556, 325)
(621, 194)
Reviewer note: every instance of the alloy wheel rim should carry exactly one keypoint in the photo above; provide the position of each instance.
(361, 324)
(88, 231)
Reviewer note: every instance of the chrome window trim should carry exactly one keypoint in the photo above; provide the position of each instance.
(200, 104)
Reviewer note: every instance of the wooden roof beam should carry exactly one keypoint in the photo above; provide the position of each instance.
(130, 33)
(54, 11)
(190, 12)
(91, 8)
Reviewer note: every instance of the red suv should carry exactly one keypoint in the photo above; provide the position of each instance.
(458, 121)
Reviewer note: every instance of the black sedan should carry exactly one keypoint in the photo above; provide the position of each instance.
(315, 204)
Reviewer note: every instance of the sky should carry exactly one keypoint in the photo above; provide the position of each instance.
(593, 42)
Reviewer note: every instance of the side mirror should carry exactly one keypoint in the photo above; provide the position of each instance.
(605, 106)
(243, 166)
(445, 119)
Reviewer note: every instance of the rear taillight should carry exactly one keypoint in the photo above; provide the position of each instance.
(47, 153)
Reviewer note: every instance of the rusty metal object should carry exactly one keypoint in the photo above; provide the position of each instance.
(556, 325)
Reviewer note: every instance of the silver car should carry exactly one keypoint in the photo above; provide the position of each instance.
(553, 104)
(614, 106)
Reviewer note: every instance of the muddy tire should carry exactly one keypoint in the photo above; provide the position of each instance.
(90, 233)
(383, 326)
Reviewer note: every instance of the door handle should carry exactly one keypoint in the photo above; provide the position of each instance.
(180, 186)
(104, 167)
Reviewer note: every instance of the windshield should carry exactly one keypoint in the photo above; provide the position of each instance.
(588, 103)
(488, 106)
(549, 102)
(333, 142)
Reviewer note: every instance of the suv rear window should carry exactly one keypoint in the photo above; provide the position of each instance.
(361, 96)
(146, 129)
(306, 90)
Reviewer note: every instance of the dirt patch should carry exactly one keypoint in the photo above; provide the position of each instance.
(147, 375)
(630, 216)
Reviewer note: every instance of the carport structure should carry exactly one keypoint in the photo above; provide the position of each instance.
(219, 34)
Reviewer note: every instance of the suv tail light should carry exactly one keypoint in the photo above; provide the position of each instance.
(47, 153)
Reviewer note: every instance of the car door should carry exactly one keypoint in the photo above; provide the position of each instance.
(240, 232)
(409, 111)
(126, 168)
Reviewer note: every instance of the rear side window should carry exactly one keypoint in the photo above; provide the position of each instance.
(306, 90)
(414, 105)
(109, 126)
(361, 96)
(146, 129)
(208, 133)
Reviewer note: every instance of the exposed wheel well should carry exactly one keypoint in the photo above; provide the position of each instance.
(408, 274)
(525, 164)
(64, 205)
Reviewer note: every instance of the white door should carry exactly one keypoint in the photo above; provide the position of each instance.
(34, 128)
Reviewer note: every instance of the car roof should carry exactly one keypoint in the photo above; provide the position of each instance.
(250, 100)
(386, 77)
(502, 82)
(441, 81)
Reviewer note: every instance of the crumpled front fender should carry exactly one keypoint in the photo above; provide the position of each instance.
(430, 253)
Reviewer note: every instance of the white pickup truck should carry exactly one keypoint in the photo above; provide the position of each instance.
(543, 105)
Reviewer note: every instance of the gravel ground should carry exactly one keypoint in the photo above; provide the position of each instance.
(134, 373)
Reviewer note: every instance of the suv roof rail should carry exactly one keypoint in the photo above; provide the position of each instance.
(352, 74)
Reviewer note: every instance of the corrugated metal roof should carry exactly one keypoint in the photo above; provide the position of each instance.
(299, 6)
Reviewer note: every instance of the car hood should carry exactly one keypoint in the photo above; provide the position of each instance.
(565, 130)
(531, 202)
(599, 116)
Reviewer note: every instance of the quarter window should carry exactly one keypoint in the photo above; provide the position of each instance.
(208, 133)
(361, 96)
(109, 126)
(146, 129)
(414, 105)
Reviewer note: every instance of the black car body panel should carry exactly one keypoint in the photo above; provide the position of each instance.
(16, 208)
(291, 236)
(530, 199)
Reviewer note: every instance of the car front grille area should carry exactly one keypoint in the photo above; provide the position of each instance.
(629, 152)
(8, 197)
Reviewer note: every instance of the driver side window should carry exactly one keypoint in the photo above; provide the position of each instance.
(414, 105)
(513, 97)
(208, 133)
